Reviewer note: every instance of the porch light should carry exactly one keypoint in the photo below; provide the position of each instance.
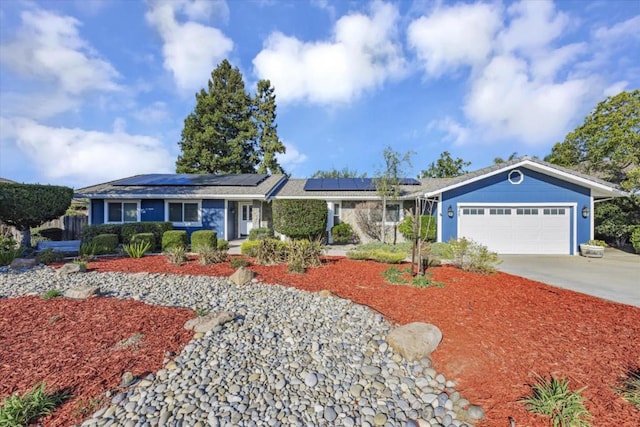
(450, 212)
(585, 211)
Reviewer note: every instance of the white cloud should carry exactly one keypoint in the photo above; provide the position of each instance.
(615, 88)
(292, 158)
(86, 156)
(38, 105)
(48, 47)
(191, 50)
(622, 30)
(154, 113)
(507, 103)
(454, 36)
(454, 131)
(362, 54)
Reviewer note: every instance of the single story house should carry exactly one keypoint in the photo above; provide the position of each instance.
(523, 206)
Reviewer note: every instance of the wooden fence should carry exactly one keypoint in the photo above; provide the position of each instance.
(71, 226)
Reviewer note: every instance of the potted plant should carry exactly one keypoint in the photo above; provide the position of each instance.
(593, 248)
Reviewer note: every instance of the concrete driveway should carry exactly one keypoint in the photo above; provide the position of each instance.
(616, 277)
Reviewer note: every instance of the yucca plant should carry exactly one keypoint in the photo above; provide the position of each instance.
(22, 410)
(137, 250)
(210, 255)
(87, 251)
(553, 398)
(176, 254)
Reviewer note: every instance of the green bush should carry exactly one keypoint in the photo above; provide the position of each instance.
(8, 255)
(87, 251)
(223, 245)
(427, 228)
(553, 398)
(260, 233)
(173, 238)
(149, 238)
(49, 256)
(381, 252)
(204, 240)
(138, 249)
(250, 248)
(271, 252)
(471, 256)
(342, 233)
(89, 232)
(22, 410)
(635, 239)
(7, 243)
(105, 243)
(158, 228)
(237, 262)
(302, 254)
(596, 242)
(211, 255)
(300, 219)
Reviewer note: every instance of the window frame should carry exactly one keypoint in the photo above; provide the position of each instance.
(183, 223)
(122, 202)
(399, 205)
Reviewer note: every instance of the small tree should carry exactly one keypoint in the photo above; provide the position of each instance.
(300, 219)
(29, 205)
(388, 181)
(335, 173)
(368, 217)
(446, 167)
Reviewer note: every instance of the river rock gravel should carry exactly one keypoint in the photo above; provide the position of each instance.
(289, 357)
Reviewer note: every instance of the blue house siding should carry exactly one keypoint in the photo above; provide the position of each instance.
(535, 188)
(151, 210)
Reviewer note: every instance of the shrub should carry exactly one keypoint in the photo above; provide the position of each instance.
(250, 248)
(554, 399)
(105, 243)
(53, 293)
(630, 389)
(82, 264)
(87, 251)
(300, 219)
(174, 238)
(427, 227)
(8, 255)
(471, 256)
(149, 238)
(7, 243)
(24, 410)
(302, 254)
(342, 233)
(596, 242)
(89, 232)
(203, 240)
(176, 254)
(635, 239)
(49, 256)
(381, 252)
(223, 245)
(157, 228)
(137, 250)
(271, 252)
(210, 255)
(260, 233)
(238, 262)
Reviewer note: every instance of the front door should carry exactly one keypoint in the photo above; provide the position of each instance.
(245, 219)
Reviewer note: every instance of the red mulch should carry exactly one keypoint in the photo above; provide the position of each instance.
(499, 331)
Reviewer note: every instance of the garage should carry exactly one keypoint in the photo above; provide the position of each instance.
(510, 229)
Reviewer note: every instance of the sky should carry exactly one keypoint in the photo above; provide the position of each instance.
(93, 90)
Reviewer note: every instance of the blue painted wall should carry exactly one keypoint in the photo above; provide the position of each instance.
(535, 188)
(152, 210)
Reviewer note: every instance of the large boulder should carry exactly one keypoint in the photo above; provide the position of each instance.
(82, 292)
(209, 321)
(71, 268)
(242, 276)
(22, 263)
(415, 341)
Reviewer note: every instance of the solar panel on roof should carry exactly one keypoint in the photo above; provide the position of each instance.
(313, 184)
(409, 181)
(239, 180)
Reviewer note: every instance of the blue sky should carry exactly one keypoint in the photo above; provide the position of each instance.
(97, 90)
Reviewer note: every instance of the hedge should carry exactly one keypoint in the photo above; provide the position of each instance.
(260, 233)
(143, 237)
(300, 219)
(155, 227)
(635, 239)
(203, 239)
(89, 232)
(105, 243)
(174, 238)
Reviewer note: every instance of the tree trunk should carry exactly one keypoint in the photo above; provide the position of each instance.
(25, 240)
(384, 217)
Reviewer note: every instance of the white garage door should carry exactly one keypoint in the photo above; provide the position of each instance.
(518, 230)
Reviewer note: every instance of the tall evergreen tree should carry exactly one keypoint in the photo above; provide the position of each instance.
(220, 135)
(264, 114)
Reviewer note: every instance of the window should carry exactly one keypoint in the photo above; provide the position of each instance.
(393, 213)
(526, 211)
(185, 213)
(553, 211)
(472, 211)
(499, 211)
(123, 212)
(336, 213)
